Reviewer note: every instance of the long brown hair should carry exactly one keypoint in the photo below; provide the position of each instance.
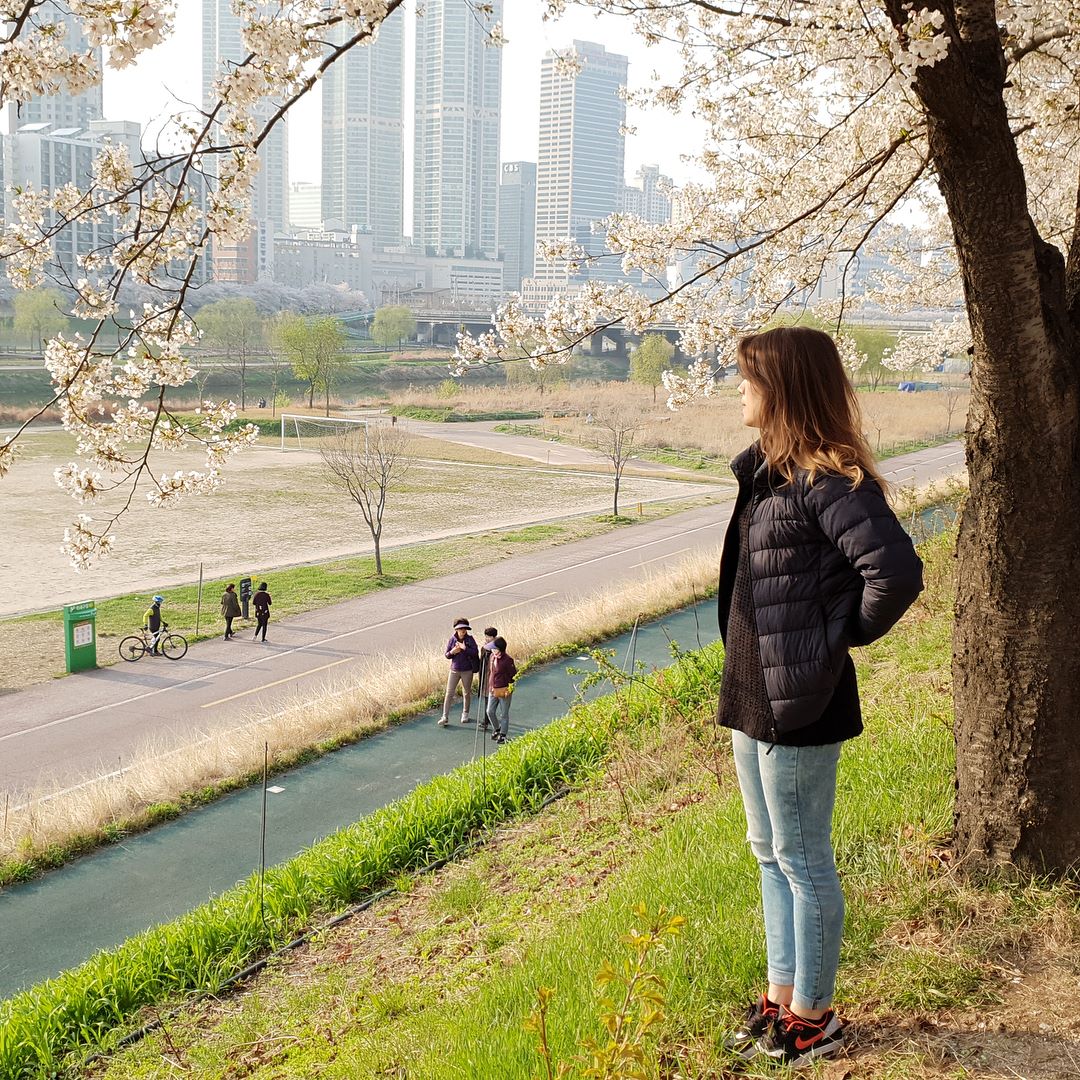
(810, 416)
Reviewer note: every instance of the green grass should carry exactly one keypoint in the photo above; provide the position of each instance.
(450, 414)
(88, 1006)
(498, 927)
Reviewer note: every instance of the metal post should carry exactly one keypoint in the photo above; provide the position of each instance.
(198, 602)
(262, 831)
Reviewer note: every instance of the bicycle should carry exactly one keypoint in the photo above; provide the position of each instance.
(136, 646)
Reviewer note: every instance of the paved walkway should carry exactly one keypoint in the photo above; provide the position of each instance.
(56, 735)
(482, 435)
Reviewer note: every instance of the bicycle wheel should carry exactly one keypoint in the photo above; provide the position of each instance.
(132, 648)
(173, 646)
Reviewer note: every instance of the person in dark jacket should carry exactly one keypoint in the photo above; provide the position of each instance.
(464, 659)
(500, 688)
(154, 624)
(261, 600)
(230, 608)
(814, 562)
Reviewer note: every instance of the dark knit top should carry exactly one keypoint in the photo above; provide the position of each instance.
(744, 703)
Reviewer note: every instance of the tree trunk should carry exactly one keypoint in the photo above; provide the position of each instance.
(616, 510)
(1016, 661)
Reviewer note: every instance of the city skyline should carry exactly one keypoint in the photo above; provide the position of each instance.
(141, 92)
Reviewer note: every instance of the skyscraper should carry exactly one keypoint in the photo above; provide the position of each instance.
(363, 154)
(223, 45)
(580, 167)
(517, 221)
(456, 162)
(649, 196)
(65, 110)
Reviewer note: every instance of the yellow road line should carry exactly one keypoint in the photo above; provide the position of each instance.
(277, 682)
(499, 611)
(660, 557)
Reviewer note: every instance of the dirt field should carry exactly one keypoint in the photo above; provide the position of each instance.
(275, 510)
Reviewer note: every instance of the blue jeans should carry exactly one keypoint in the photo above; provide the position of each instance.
(498, 713)
(788, 794)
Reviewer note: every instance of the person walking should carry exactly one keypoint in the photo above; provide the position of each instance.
(261, 601)
(464, 659)
(500, 690)
(490, 634)
(230, 608)
(814, 562)
(153, 623)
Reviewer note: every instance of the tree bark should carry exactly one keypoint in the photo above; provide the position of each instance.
(1016, 641)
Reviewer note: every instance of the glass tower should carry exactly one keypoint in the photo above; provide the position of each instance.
(456, 159)
(363, 154)
(580, 166)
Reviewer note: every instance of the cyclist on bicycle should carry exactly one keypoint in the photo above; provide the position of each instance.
(153, 623)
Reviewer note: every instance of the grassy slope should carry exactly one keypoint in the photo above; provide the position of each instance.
(438, 982)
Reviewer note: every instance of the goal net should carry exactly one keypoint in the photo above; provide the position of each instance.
(314, 432)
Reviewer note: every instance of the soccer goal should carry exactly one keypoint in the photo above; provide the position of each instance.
(312, 432)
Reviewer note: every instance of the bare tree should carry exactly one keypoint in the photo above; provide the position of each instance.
(615, 433)
(367, 463)
(951, 398)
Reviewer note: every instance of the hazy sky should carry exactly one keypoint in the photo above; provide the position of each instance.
(147, 91)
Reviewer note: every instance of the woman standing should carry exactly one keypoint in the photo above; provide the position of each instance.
(464, 659)
(230, 608)
(814, 562)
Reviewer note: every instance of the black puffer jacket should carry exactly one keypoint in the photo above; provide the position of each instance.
(831, 567)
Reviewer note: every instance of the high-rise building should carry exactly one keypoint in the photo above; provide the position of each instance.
(517, 221)
(580, 166)
(222, 46)
(64, 109)
(305, 206)
(456, 150)
(46, 156)
(649, 196)
(363, 151)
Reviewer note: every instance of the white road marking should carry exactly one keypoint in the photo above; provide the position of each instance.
(277, 682)
(659, 557)
(499, 611)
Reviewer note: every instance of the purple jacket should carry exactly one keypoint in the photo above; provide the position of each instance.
(469, 659)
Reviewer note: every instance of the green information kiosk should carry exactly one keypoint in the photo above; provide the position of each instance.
(80, 636)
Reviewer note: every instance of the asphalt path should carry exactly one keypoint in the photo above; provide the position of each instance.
(481, 434)
(58, 735)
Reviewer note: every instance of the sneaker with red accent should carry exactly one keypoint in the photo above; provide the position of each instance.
(796, 1041)
(759, 1019)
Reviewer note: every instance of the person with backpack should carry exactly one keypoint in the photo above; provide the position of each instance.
(464, 659)
(490, 634)
(814, 562)
(230, 608)
(500, 690)
(261, 601)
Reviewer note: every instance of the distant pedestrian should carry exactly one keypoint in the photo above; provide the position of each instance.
(262, 603)
(230, 608)
(490, 634)
(500, 689)
(464, 659)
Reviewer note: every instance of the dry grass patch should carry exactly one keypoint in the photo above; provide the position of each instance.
(713, 427)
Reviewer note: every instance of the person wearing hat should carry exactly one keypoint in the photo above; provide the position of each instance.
(152, 622)
(464, 659)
